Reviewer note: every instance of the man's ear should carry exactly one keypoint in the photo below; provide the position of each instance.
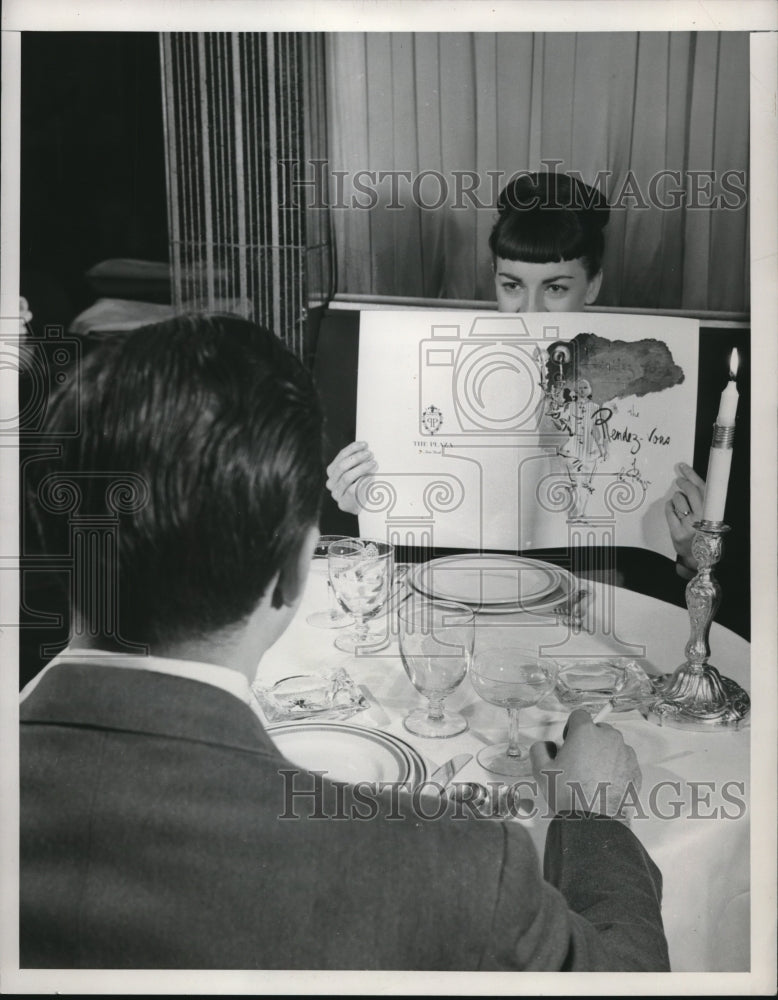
(594, 289)
(294, 573)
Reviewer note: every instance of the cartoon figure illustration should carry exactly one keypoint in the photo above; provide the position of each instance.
(586, 424)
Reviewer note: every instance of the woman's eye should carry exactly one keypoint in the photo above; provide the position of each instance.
(556, 289)
(510, 286)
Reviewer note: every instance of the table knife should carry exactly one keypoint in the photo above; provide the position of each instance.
(446, 772)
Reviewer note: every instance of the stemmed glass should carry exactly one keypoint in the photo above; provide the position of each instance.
(511, 678)
(436, 645)
(333, 617)
(361, 575)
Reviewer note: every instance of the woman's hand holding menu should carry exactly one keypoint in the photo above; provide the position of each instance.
(345, 470)
(682, 510)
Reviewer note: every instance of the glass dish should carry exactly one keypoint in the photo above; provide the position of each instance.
(590, 684)
(326, 694)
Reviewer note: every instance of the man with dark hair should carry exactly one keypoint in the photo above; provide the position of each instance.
(152, 799)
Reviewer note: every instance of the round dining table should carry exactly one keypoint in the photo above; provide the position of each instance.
(693, 815)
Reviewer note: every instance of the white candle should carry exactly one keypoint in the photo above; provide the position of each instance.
(720, 460)
(729, 398)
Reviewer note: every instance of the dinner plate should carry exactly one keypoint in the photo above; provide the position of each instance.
(490, 582)
(349, 753)
(556, 599)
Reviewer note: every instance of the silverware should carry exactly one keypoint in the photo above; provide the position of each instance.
(568, 612)
(446, 772)
(489, 801)
(605, 711)
(574, 607)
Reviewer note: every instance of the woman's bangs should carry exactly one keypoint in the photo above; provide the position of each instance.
(539, 237)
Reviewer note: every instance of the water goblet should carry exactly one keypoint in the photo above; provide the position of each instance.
(512, 678)
(436, 645)
(360, 571)
(333, 616)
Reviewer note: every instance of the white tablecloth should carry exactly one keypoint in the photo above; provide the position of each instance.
(698, 780)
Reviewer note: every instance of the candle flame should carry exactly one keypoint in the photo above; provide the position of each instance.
(734, 360)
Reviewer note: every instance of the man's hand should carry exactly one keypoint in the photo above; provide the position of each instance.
(682, 510)
(344, 471)
(591, 771)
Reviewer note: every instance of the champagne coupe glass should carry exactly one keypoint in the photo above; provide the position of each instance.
(333, 616)
(361, 575)
(511, 678)
(436, 645)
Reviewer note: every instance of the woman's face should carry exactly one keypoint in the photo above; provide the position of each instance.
(562, 286)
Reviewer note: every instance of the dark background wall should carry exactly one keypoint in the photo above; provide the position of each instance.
(92, 162)
(92, 188)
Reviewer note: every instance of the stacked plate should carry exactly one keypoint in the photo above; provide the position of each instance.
(495, 584)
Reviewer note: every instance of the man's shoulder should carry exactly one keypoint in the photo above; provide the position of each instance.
(220, 747)
(85, 696)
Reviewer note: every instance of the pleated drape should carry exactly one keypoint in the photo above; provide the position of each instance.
(621, 109)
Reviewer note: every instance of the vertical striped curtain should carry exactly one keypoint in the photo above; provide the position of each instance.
(238, 109)
(618, 108)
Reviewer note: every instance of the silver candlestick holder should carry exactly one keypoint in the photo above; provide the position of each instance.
(696, 696)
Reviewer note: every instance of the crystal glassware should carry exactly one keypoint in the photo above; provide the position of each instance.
(361, 571)
(333, 616)
(512, 678)
(436, 645)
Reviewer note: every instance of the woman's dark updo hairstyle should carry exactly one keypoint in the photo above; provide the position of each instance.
(547, 217)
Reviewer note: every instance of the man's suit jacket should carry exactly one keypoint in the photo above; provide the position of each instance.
(151, 838)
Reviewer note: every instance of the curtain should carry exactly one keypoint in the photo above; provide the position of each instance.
(658, 120)
(240, 111)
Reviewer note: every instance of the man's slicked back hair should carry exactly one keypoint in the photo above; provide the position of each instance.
(222, 426)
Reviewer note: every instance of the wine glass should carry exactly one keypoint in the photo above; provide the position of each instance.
(333, 617)
(361, 575)
(436, 645)
(512, 678)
